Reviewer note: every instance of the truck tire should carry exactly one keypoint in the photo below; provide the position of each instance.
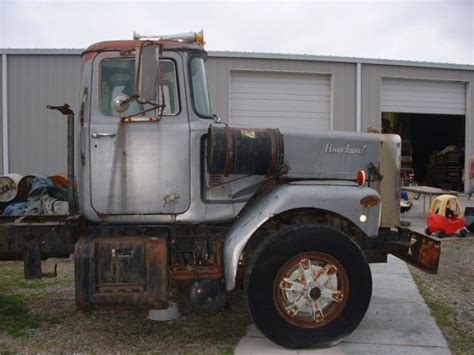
(308, 286)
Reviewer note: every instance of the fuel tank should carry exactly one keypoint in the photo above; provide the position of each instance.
(242, 151)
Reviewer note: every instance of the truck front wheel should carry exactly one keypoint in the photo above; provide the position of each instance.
(308, 286)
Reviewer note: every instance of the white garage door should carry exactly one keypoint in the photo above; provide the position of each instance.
(423, 96)
(282, 100)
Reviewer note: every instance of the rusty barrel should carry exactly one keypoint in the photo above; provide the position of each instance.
(244, 151)
(14, 186)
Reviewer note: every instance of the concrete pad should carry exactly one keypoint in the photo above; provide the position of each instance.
(393, 266)
(260, 345)
(376, 349)
(389, 288)
(253, 332)
(410, 330)
(397, 322)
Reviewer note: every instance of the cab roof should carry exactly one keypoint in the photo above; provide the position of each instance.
(124, 45)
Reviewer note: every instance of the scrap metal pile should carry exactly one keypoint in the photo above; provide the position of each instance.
(33, 195)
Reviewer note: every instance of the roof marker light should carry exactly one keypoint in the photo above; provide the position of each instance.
(192, 37)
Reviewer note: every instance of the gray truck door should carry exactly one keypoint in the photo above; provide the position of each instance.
(140, 166)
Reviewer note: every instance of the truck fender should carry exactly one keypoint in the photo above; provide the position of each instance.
(344, 200)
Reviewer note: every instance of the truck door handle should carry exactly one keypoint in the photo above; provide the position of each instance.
(98, 135)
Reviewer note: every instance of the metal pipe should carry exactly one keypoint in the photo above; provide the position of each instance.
(359, 97)
(70, 163)
(468, 138)
(6, 153)
(65, 110)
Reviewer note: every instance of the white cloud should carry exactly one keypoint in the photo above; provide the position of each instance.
(413, 30)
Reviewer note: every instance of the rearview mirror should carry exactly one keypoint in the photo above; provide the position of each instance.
(147, 73)
(121, 103)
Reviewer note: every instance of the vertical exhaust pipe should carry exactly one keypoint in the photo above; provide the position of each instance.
(66, 110)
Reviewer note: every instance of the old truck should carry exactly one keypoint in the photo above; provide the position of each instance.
(174, 206)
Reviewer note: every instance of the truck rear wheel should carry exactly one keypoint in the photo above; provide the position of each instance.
(308, 286)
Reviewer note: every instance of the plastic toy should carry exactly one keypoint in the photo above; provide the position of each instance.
(446, 217)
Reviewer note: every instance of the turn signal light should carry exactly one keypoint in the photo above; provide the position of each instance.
(370, 201)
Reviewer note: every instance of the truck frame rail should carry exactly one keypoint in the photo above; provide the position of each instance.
(36, 238)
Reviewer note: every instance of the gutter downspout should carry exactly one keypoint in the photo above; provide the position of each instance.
(359, 97)
(6, 154)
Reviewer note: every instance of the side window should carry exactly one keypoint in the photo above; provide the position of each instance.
(201, 100)
(117, 77)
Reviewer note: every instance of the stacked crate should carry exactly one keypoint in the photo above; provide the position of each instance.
(445, 169)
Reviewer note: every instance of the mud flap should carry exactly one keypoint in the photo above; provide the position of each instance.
(420, 251)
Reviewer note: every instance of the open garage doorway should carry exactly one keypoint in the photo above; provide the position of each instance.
(432, 145)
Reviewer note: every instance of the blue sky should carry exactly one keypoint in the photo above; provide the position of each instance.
(439, 31)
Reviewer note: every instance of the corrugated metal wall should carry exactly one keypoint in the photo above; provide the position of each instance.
(343, 83)
(38, 135)
(1, 116)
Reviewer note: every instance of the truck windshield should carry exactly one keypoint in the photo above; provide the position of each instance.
(117, 77)
(201, 101)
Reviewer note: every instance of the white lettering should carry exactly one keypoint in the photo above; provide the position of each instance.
(344, 149)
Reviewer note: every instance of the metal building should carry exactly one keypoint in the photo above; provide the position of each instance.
(429, 104)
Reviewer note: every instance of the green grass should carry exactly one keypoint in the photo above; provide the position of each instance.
(443, 314)
(446, 317)
(15, 319)
(13, 279)
(195, 334)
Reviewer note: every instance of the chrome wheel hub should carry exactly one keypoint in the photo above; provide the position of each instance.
(311, 290)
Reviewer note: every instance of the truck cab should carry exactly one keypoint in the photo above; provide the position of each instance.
(135, 167)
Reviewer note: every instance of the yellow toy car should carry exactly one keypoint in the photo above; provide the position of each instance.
(446, 217)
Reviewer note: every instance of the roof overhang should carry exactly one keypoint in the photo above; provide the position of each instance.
(273, 56)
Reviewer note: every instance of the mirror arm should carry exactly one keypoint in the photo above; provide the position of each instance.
(130, 99)
(155, 106)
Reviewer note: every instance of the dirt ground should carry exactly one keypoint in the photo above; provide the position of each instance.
(450, 294)
(40, 316)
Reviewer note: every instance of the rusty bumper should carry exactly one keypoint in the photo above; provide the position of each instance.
(418, 250)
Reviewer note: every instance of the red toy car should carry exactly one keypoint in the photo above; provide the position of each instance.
(445, 217)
